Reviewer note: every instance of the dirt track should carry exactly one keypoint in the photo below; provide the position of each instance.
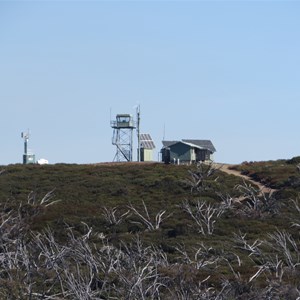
(226, 168)
(223, 167)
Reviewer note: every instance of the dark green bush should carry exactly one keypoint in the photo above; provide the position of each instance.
(293, 161)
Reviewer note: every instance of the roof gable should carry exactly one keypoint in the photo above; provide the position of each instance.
(206, 144)
(167, 144)
(200, 144)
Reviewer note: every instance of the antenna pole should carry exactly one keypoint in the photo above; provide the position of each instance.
(25, 136)
(28, 158)
(25, 145)
(138, 132)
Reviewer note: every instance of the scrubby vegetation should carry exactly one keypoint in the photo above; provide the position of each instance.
(280, 174)
(149, 231)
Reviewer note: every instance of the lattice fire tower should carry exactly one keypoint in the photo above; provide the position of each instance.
(123, 137)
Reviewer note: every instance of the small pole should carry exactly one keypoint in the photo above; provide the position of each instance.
(25, 136)
(138, 132)
(25, 145)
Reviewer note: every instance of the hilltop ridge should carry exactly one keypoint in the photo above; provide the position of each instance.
(189, 215)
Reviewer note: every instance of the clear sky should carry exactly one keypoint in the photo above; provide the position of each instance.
(228, 71)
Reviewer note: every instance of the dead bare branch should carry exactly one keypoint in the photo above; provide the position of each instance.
(146, 219)
(198, 178)
(284, 243)
(204, 214)
(113, 216)
(243, 244)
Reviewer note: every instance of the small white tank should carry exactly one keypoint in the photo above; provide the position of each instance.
(43, 161)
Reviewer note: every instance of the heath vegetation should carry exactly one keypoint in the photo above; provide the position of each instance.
(149, 231)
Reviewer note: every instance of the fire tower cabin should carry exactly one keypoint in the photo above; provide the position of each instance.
(187, 151)
(123, 121)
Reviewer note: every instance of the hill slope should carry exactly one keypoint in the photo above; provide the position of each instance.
(186, 220)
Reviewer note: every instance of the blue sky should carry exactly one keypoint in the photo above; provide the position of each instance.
(228, 71)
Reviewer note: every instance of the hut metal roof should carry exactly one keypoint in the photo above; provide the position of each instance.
(207, 144)
(201, 144)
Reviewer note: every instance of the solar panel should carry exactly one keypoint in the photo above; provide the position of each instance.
(146, 141)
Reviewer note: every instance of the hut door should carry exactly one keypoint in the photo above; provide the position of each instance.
(201, 154)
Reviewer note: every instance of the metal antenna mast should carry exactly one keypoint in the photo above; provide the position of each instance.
(28, 158)
(25, 136)
(138, 112)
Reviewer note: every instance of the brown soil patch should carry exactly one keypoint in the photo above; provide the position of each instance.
(227, 169)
